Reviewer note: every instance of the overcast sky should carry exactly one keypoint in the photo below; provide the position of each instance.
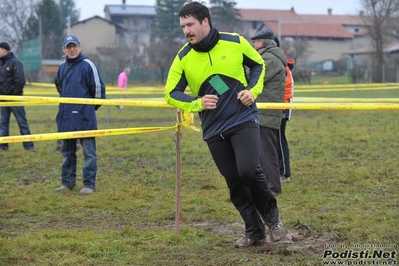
(89, 8)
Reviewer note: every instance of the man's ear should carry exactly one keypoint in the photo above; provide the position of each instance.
(206, 21)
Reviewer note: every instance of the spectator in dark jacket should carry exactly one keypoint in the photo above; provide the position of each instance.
(78, 77)
(273, 92)
(12, 82)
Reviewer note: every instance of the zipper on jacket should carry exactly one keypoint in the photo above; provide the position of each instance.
(210, 58)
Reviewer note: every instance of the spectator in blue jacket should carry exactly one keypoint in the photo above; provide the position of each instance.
(12, 82)
(78, 77)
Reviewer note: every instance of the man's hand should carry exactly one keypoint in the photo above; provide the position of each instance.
(246, 97)
(209, 101)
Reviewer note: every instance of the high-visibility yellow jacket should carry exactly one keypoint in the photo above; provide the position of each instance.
(226, 59)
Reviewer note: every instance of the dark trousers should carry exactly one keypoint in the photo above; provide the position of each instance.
(68, 168)
(20, 116)
(59, 145)
(283, 151)
(269, 158)
(236, 155)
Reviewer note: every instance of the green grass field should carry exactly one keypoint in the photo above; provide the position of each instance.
(320, 79)
(344, 191)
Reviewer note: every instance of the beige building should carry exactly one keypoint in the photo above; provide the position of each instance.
(138, 21)
(96, 32)
(328, 37)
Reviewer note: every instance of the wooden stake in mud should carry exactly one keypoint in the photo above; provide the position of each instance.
(177, 145)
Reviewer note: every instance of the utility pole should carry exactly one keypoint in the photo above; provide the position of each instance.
(279, 30)
(69, 24)
(40, 46)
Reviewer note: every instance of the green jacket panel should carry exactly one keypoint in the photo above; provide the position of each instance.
(274, 86)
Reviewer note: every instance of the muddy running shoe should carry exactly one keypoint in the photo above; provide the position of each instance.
(277, 233)
(245, 241)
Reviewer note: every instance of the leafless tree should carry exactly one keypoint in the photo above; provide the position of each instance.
(379, 17)
(114, 59)
(111, 61)
(162, 52)
(225, 15)
(13, 16)
(298, 48)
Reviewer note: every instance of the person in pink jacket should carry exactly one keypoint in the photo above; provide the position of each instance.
(122, 82)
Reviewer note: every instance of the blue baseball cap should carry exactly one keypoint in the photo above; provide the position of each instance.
(70, 39)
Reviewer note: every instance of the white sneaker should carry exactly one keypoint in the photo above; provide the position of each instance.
(61, 188)
(86, 191)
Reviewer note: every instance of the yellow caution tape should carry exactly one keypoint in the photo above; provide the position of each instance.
(346, 89)
(31, 92)
(330, 106)
(34, 85)
(22, 103)
(158, 103)
(188, 120)
(46, 100)
(359, 85)
(353, 100)
(80, 134)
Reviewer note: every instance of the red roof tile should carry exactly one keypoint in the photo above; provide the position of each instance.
(291, 16)
(311, 30)
(389, 48)
(268, 15)
(334, 19)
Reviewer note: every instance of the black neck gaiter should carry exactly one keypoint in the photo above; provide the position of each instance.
(208, 42)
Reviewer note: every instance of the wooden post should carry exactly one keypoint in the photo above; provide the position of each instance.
(178, 139)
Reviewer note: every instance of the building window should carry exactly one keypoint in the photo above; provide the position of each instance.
(254, 25)
(118, 20)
